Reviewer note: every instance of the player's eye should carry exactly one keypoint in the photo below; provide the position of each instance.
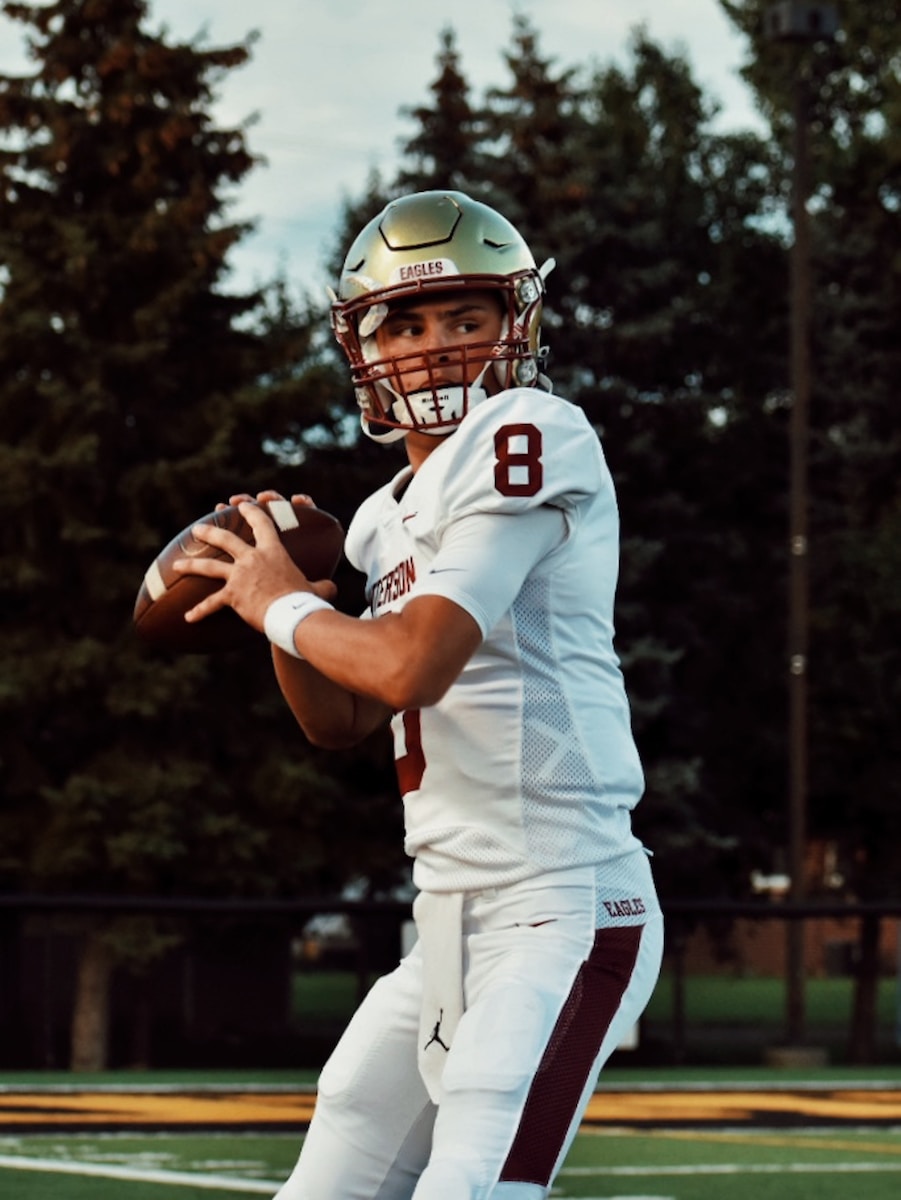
(404, 329)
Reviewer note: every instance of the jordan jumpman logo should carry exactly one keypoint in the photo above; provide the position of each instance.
(436, 1036)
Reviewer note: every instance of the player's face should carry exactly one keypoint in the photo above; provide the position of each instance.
(442, 341)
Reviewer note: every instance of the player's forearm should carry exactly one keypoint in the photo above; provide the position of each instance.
(403, 660)
(363, 658)
(330, 715)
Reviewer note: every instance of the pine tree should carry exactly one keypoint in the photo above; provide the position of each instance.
(847, 91)
(443, 153)
(673, 317)
(136, 391)
(532, 129)
(853, 100)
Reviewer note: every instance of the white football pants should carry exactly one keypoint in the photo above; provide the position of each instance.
(551, 984)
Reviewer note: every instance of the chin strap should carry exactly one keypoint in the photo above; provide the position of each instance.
(377, 432)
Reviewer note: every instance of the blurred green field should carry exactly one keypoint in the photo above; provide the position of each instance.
(603, 1165)
(721, 998)
(755, 1001)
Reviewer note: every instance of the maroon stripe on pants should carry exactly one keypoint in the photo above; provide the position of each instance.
(569, 1055)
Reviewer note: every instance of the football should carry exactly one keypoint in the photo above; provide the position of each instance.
(313, 538)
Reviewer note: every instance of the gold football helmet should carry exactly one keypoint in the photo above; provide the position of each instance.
(419, 245)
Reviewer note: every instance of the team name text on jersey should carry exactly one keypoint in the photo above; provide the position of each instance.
(625, 908)
(392, 585)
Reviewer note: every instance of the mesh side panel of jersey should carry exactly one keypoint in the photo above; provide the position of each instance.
(554, 766)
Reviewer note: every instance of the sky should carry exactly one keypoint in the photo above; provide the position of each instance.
(328, 78)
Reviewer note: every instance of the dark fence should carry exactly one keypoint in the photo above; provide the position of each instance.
(858, 943)
(214, 982)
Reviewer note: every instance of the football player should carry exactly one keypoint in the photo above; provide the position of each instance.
(490, 562)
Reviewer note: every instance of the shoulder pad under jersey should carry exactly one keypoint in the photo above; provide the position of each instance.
(363, 526)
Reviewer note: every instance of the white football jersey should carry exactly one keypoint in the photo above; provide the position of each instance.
(528, 763)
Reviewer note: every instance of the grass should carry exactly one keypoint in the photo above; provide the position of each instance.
(701, 1165)
(726, 999)
(620, 1074)
(324, 996)
(604, 1164)
(732, 1019)
(324, 1000)
(727, 1018)
(239, 1158)
(661, 1165)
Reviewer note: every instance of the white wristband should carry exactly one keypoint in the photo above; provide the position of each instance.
(285, 614)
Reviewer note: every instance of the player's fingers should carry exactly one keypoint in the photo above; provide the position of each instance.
(264, 530)
(222, 539)
(213, 568)
(265, 496)
(302, 498)
(234, 501)
(206, 607)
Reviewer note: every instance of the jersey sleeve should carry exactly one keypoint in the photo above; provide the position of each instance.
(520, 450)
(466, 567)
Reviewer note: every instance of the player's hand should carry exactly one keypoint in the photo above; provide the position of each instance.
(263, 498)
(253, 575)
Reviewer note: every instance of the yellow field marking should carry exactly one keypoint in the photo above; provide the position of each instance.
(130, 1108)
(259, 1108)
(845, 1105)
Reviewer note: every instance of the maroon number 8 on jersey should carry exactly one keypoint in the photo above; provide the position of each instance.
(510, 460)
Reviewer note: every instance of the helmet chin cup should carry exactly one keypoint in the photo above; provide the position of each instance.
(436, 411)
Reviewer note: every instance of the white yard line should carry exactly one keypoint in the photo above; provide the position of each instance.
(847, 1168)
(261, 1187)
(269, 1187)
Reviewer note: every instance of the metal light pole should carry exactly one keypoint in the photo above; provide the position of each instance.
(798, 608)
(802, 23)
